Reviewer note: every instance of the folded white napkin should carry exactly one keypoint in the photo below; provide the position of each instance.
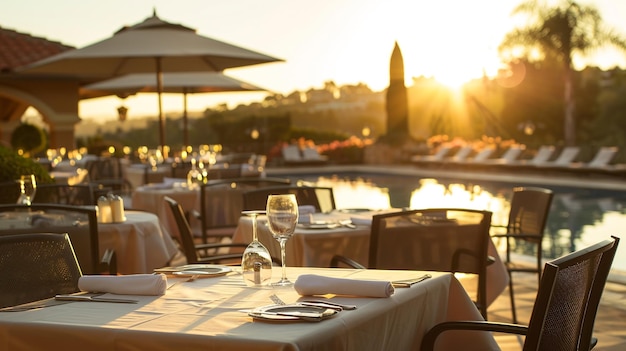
(361, 220)
(311, 284)
(132, 284)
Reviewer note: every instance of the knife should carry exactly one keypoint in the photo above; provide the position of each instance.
(92, 299)
(305, 316)
(407, 283)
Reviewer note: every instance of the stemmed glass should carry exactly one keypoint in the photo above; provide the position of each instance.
(282, 217)
(256, 262)
(28, 187)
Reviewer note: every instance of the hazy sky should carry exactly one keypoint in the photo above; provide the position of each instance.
(346, 41)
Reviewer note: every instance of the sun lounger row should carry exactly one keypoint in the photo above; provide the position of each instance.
(545, 158)
(293, 155)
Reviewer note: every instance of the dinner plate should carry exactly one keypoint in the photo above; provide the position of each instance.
(320, 225)
(198, 270)
(354, 210)
(291, 313)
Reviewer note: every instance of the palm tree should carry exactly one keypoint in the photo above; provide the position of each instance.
(561, 31)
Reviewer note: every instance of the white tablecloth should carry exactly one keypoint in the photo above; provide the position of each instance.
(316, 247)
(150, 199)
(204, 315)
(140, 244)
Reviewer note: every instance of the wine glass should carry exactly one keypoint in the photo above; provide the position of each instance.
(256, 262)
(28, 187)
(282, 217)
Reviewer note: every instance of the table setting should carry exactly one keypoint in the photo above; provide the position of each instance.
(226, 313)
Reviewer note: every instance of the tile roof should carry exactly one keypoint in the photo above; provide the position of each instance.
(19, 49)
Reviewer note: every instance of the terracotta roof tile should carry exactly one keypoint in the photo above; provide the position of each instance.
(19, 49)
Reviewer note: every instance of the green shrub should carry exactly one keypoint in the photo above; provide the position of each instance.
(12, 166)
(29, 138)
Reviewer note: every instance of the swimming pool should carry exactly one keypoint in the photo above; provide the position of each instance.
(581, 214)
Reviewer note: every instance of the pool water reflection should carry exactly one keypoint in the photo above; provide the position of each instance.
(578, 217)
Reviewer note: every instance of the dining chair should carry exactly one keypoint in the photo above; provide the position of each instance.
(527, 220)
(441, 239)
(221, 203)
(36, 266)
(79, 222)
(322, 198)
(107, 172)
(200, 253)
(65, 194)
(565, 308)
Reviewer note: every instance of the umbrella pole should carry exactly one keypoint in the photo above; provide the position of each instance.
(161, 118)
(185, 125)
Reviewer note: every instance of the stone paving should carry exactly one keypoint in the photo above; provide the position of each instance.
(609, 329)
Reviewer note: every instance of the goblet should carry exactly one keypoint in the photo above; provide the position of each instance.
(28, 187)
(282, 217)
(256, 262)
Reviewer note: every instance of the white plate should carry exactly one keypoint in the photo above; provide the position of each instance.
(199, 270)
(272, 313)
(320, 225)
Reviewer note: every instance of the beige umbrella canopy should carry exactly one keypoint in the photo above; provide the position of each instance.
(152, 46)
(182, 83)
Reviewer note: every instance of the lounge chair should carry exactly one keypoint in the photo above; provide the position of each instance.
(480, 157)
(510, 156)
(600, 162)
(542, 156)
(566, 157)
(291, 153)
(310, 154)
(461, 155)
(436, 157)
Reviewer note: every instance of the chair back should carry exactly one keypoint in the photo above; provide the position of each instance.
(35, 267)
(184, 229)
(322, 198)
(79, 222)
(530, 207)
(64, 194)
(568, 299)
(221, 203)
(443, 239)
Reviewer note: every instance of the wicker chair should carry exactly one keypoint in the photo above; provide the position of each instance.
(221, 203)
(322, 198)
(527, 221)
(565, 309)
(79, 222)
(199, 253)
(444, 239)
(35, 267)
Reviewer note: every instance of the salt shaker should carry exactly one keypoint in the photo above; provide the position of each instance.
(104, 210)
(117, 208)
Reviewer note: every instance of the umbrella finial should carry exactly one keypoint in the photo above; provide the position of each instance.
(154, 12)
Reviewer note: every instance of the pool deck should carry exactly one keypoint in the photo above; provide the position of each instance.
(610, 326)
(501, 174)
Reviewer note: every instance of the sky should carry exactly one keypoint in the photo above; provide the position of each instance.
(344, 41)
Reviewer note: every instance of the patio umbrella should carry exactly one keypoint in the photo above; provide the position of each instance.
(183, 83)
(152, 46)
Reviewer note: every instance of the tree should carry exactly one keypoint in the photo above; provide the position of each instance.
(563, 30)
(397, 101)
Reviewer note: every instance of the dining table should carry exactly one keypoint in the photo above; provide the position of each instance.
(213, 314)
(150, 197)
(344, 232)
(139, 242)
